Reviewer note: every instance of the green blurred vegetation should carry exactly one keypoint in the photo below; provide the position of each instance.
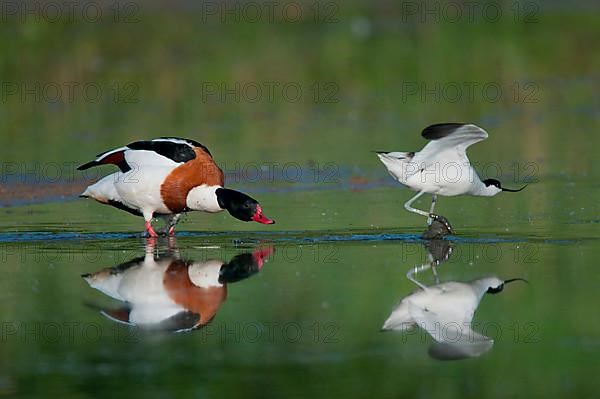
(166, 62)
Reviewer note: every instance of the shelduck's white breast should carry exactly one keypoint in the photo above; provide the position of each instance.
(141, 187)
(143, 288)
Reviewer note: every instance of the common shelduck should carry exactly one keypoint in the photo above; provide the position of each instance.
(441, 167)
(168, 293)
(166, 177)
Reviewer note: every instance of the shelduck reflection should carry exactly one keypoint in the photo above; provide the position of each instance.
(165, 292)
(445, 310)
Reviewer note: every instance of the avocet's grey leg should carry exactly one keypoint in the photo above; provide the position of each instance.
(433, 264)
(409, 208)
(171, 221)
(417, 270)
(433, 201)
(172, 224)
(435, 273)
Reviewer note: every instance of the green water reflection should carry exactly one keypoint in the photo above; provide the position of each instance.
(313, 313)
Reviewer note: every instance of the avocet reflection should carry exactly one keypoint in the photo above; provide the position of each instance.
(445, 310)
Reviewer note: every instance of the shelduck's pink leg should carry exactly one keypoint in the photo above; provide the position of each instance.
(148, 214)
(150, 245)
(150, 229)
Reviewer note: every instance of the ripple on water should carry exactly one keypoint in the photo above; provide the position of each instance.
(298, 237)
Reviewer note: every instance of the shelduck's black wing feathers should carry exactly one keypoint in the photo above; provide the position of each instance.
(114, 157)
(176, 149)
(185, 320)
(194, 143)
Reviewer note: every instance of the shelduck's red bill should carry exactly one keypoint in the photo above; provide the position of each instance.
(260, 255)
(260, 218)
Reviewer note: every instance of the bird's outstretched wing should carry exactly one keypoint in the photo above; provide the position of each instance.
(461, 349)
(449, 141)
(457, 133)
(400, 319)
(169, 151)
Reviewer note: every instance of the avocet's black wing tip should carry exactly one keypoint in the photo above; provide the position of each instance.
(440, 130)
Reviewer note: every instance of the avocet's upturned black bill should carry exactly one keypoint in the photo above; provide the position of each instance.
(442, 166)
(498, 288)
(496, 183)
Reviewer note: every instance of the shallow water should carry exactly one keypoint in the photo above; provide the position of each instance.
(308, 321)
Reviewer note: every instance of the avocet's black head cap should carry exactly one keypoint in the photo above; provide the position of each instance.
(499, 288)
(497, 184)
(241, 206)
(492, 182)
(495, 290)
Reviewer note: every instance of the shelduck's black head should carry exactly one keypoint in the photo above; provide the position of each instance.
(241, 206)
(244, 265)
(498, 185)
